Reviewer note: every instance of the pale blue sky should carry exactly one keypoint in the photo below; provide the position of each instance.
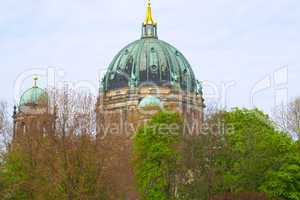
(224, 40)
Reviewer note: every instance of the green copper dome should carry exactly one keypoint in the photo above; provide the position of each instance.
(150, 101)
(34, 96)
(150, 61)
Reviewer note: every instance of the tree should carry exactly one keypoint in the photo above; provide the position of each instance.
(201, 166)
(254, 148)
(284, 182)
(156, 156)
(288, 116)
(231, 158)
(5, 126)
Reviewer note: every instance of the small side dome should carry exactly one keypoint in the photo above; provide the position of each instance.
(150, 101)
(34, 96)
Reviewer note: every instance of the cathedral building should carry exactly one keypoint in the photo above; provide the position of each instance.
(148, 73)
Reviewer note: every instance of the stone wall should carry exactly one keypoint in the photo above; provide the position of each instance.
(119, 110)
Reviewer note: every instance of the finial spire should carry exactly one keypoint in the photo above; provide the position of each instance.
(35, 79)
(149, 19)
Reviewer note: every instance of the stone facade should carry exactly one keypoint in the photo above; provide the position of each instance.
(34, 118)
(118, 110)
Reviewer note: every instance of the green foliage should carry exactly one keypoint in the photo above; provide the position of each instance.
(248, 155)
(285, 182)
(156, 156)
(13, 175)
(252, 149)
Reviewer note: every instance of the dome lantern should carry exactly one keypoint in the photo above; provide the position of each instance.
(35, 79)
(149, 28)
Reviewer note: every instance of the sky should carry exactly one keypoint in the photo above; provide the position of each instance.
(246, 52)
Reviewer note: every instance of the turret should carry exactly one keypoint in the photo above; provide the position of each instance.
(33, 112)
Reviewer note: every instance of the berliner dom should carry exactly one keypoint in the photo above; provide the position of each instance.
(149, 69)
